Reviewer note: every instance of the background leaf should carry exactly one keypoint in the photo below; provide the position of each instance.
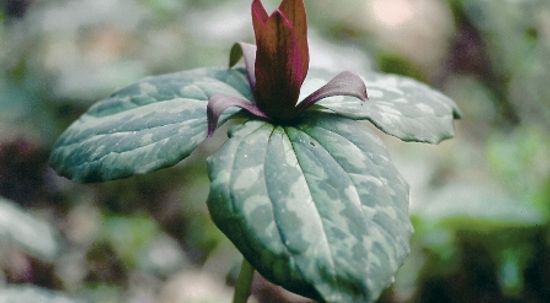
(25, 294)
(36, 237)
(149, 125)
(399, 106)
(456, 205)
(317, 208)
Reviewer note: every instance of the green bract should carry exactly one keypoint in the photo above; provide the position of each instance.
(315, 206)
(401, 107)
(158, 121)
(146, 126)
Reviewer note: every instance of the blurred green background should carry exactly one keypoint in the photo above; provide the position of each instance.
(480, 202)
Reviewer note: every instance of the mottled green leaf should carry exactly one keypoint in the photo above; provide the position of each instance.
(317, 208)
(399, 106)
(36, 237)
(149, 125)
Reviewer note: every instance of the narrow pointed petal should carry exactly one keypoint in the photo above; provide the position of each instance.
(295, 12)
(344, 84)
(248, 52)
(279, 67)
(218, 104)
(259, 15)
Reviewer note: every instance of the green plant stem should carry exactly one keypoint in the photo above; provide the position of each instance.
(244, 283)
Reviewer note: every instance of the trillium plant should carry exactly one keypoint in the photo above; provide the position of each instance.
(303, 188)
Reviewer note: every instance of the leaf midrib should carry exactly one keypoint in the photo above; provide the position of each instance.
(327, 243)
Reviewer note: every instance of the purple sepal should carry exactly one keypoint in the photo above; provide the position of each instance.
(218, 104)
(248, 52)
(344, 84)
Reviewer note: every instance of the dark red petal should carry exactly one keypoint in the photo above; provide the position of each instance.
(218, 104)
(248, 51)
(344, 84)
(295, 12)
(279, 67)
(259, 15)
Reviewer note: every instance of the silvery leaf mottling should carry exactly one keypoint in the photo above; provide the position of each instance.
(316, 207)
(152, 124)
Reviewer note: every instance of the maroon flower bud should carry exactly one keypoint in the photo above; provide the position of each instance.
(277, 67)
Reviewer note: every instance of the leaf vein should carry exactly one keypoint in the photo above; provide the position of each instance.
(327, 244)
